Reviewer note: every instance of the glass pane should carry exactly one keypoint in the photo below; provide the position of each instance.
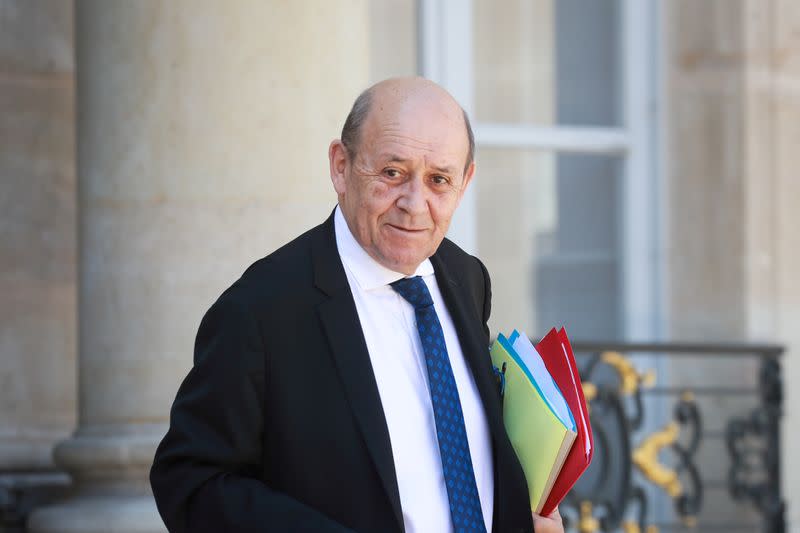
(548, 230)
(547, 62)
(393, 38)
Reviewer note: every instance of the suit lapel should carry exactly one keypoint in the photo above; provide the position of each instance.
(343, 330)
(469, 328)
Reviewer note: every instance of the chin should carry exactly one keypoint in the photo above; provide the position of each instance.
(404, 263)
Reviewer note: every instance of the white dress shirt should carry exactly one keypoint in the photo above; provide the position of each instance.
(390, 331)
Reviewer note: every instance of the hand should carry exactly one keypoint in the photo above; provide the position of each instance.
(548, 524)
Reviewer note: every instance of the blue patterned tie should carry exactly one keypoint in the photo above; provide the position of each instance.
(462, 491)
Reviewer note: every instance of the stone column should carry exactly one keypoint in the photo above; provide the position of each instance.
(705, 65)
(202, 140)
(37, 236)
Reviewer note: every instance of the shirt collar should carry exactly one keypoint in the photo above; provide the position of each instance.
(368, 273)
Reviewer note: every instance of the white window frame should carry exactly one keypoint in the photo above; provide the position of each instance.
(445, 56)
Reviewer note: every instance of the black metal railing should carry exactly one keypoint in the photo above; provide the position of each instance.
(686, 438)
(21, 492)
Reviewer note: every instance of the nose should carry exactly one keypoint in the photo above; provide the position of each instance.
(412, 198)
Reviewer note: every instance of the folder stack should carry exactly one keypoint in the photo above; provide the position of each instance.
(545, 413)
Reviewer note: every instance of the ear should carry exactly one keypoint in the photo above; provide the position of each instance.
(467, 179)
(338, 160)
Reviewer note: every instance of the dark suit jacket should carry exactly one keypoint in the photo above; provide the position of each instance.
(279, 424)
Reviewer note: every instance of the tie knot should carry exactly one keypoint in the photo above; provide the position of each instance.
(414, 291)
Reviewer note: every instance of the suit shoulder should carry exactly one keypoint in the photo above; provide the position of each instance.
(472, 273)
(287, 270)
(453, 254)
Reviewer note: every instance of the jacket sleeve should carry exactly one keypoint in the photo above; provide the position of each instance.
(206, 472)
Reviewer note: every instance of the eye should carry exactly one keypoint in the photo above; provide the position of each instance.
(438, 179)
(391, 173)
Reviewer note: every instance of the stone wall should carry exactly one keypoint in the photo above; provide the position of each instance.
(733, 133)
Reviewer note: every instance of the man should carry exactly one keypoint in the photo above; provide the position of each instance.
(343, 383)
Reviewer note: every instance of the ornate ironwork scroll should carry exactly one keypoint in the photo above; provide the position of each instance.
(754, 447)
(609, 497)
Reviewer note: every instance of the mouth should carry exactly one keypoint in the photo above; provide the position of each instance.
(409, 231)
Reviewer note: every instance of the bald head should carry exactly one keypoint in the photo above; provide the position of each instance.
(394, 96)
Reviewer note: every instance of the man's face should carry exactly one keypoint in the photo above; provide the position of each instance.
(401, 189)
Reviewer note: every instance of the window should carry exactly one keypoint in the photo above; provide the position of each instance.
(563, 207)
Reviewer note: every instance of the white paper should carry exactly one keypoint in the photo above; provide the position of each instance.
(550, 391)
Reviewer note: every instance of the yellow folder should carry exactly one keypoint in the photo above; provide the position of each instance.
(540, 439)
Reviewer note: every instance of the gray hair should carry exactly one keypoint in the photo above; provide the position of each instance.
(351, 131)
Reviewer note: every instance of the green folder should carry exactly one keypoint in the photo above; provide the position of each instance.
(541, 440)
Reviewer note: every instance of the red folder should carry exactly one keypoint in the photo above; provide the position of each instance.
(560, 362)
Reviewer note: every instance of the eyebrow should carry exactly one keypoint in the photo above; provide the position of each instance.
(392, 158)
(445, 170)
(396, 159)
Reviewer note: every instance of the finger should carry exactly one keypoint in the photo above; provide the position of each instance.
(555, 515)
